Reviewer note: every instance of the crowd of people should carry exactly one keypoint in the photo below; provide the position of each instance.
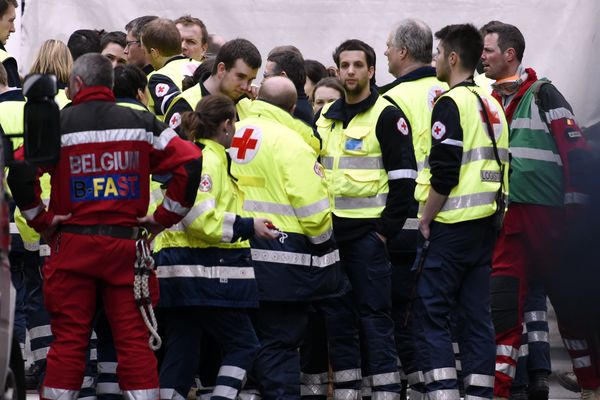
(312, 234)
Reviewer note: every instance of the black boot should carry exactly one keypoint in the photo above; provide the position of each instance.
(538, 385)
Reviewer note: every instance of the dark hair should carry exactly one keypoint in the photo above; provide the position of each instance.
(355, 44)
(463, 39)
(135, 26)
(329, 82)
(315, 71)
(203, 122)
(237, 49)
(84, 41)
(292, 64)
(3, 75)
(117, 37)
(128, 80)
(509, 36)
(94, 70)
(189, 20)
(203, 69)
(162, 34)
(4, 5)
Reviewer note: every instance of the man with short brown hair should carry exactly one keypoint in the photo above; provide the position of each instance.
(194, 37)
(7, 26)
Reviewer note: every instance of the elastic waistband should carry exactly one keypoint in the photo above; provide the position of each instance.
(115, 231)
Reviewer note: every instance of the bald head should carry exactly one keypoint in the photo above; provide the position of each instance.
(279, 91)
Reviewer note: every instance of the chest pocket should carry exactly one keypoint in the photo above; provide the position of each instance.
(355, 140)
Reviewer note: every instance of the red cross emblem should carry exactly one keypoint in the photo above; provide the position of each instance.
(434, 93)
(175, 121)
(402, 126)
(161, 89)
(438, 130)
(245, 144)
(205, 183)
(493, 115)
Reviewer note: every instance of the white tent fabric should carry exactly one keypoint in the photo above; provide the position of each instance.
(562, 35)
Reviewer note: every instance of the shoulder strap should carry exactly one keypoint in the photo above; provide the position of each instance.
(388, 98)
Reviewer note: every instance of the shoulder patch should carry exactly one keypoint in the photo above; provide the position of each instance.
(175, 121)
(245, 144)
(438, 130)
(402, 126)
(433, 94)
(205, 183)
(161, 89)
(494, 115)
(318, 168)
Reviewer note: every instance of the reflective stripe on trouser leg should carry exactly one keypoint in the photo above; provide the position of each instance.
(142, 394)
(313, 384)
(249, 394)
(170, 394)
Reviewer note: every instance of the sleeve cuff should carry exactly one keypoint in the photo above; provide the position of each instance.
(166, 218)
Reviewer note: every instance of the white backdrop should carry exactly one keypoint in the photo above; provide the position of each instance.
(562, 35)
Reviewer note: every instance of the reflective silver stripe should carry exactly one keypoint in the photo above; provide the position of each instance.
(58, 394)
(577, 198)
(322, 238)
(402, 174)
(247, 394)
(416, 395)
(40, 354)
(165, 100)
(44, 250)
(111, 388)
(537, 336)
(225, 391)
(174, 206)
(107, 367)
(582, 362)
(106, 136)
(88, 382)
(416, 377)
(163, 140)
(440, 374)
(327, 162)
(94, 336)
(265, 206)
(200, 271)
(446, 394)
(170, 394)
(360, 163)
(286, 257)
(479, 380)
(347, 375)
(576, 345)
(93, 354)
(455, 348)
(40, 332)
(312, 209)
(350, 203)
(527, 123)
(197, 210)
(367, 381)
(535, 154)
(524, 350)
(227, 233)
(558, 113)
(458, 365)
(346, 394)
(507, 351)
(32, 246)
(141, 394)
(469, 200)
(313, 389)
(532, 316)
(12, 229)
(232, 372)
(156, 195)
(453, 142)
(378, 395)
(506, 369)
(313, 379)
(411, 224)
(471, 397)
(32, 212)
(93, 397)
(483, 153)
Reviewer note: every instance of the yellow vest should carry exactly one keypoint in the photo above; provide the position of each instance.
(479, 180)
(416, 99)
(357, 180)
(4, 55)
(279, 175)
(175, 70)
(61, 99)
(210, 221)
(133, 106)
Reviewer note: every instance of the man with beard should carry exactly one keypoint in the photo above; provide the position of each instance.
(370, 168)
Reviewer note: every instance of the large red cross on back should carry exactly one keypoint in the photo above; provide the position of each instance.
(244, 143)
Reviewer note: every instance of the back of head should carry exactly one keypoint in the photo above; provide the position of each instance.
(415, 36)
(210, 112)
(279, 91)
(4, 5)
(3, 76)
(53, 57)
(94, 70)
(237, 49)
(203, 69)
(84, 41)
(286, 47)
(215, 42)
(315, 71)
(128, 80)
(135, 26)
(292, 64)
(509, 36)
(162, 34)
(186, 20)
(465, 40)
(117, 37)
(355, 45)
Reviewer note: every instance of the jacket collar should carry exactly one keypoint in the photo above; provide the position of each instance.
(419, 73)
(13, 94)
(342, 111)
(92, 93)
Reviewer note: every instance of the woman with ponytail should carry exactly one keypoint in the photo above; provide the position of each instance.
(204, 266)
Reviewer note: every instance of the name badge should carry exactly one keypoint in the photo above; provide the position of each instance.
(354, 144)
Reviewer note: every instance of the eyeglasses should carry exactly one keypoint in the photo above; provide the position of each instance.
(132, 42)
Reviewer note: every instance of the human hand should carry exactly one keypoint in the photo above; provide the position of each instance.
(150, 224)
(263, 229)
(56, 220)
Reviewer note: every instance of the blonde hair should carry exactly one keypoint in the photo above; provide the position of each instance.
(53, 57)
